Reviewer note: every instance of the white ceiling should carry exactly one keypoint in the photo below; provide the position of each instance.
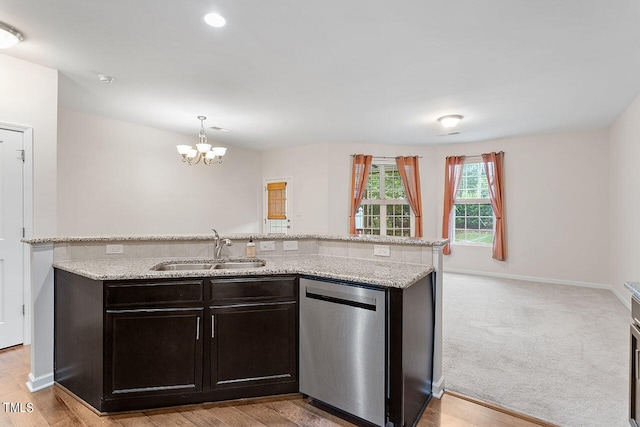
(294, 72)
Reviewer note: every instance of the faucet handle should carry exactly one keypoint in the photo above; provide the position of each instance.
(216, 233)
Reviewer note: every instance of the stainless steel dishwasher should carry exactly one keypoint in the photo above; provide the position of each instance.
(342, 347)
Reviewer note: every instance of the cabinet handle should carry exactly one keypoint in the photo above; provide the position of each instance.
(213, 326)
(198, 329)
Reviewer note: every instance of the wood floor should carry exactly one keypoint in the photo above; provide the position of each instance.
(54, 407)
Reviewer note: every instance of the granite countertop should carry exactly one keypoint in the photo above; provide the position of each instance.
(373, 272)
(634, 287)
(246, 236)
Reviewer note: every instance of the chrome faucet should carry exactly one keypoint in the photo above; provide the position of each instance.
(218, 244)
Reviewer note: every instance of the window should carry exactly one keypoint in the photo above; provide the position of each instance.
(473, 214)
(384, 209)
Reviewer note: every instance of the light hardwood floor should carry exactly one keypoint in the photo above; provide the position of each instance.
(54, 407)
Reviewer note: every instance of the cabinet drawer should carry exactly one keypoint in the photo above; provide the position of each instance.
(276, 288)
(153, 293)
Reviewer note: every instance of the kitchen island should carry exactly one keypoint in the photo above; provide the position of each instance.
(319, 257)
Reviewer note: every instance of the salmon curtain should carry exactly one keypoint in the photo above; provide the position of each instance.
(359, 177)
(452, 175)
(410, 175)
(493, 166)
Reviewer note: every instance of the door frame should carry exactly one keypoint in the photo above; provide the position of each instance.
(27, 221)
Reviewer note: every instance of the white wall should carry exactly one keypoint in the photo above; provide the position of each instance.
(556, 200)
(624, 247)
(322, 175)
(556, 208)
(121, 178)
(29, 95)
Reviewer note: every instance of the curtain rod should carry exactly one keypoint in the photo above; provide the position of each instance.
(385, 157)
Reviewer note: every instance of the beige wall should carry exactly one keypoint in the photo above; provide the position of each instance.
(624, 245)
(556, 201)
(29, 95)
(120, 178)
(556, 207)
(321, 174)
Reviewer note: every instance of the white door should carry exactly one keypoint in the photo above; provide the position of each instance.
(11, 259)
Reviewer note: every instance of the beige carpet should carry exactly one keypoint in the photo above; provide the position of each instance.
(555, 352)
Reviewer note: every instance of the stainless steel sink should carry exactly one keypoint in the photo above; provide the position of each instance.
(183, 266)
(239, 264)
(180, 266)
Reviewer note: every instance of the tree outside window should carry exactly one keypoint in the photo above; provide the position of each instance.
(384, 209)
(473, 214)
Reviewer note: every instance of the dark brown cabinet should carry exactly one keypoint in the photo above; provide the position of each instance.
(254, 335)
(124, 345)
(152, 352)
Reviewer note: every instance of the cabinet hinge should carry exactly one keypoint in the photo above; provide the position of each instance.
(23, 232)
(21, 155)
(23, 309)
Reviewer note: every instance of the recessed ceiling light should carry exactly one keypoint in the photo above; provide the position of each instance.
(450, 121)
(9, 36)
(215, 20)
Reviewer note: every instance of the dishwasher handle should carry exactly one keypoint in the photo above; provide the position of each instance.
(342, 298)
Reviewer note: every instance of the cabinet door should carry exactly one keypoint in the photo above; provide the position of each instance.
(153, 351)
(253, 344)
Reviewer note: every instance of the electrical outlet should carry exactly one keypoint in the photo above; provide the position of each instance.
(290, 245)
(267, 246)
(115, 249)
(381, 250)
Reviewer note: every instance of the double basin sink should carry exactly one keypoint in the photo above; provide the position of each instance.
(213, 265)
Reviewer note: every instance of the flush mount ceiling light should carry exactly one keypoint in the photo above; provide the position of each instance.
(203, 151)
(450, 121)
(215, 20)
(9, 36)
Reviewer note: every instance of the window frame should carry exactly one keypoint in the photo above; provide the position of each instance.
(383, 203)
(472, 201)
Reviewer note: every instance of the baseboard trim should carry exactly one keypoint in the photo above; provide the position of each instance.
(35, 384)
(625, 301)
(515, 414)
(437, 388)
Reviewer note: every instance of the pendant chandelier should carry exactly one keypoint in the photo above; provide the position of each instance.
(203, 151)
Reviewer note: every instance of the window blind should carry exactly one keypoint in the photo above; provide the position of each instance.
(277, 200)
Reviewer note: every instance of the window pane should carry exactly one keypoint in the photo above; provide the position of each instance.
(393, 183)
(459, 210)
(486, 210)
(472, 210)
(486, 223)
(473, 223)
(373, 184)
